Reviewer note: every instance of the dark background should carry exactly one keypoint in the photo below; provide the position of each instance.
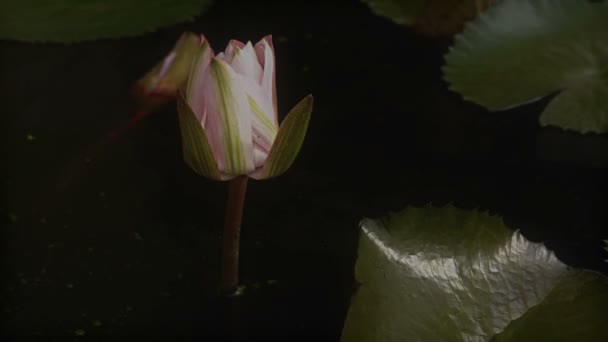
(128, 243)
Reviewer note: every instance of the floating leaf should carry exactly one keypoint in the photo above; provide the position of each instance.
(80, 20)
(582, 107)
(447, 274)
(521, 50)
(575, 310)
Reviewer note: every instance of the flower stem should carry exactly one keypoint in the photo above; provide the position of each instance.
(232, 232)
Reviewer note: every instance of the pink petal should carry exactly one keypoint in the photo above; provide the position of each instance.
(260, 48)
(167, 62)
(228, 123)
(221, 56)
(165, 79)
(265, 53)
(263, 116)
(231, 47)
(259, 157)
(246, 63)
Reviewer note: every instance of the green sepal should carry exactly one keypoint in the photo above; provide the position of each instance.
(195, 145)
(289, 139)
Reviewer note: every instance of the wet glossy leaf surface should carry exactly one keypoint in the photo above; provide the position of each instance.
(574, 310)
(445, 274)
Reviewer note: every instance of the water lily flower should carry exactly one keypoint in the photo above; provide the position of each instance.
(165, 79)
(228, 114)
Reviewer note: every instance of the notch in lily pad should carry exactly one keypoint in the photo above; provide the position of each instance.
(519, 51)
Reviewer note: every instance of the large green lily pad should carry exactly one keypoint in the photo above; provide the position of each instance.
(80, 20)
(521, 50)
(575, 310)
(448, 274)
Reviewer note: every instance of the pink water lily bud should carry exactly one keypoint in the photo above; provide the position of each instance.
(228, 114)
(165, 79)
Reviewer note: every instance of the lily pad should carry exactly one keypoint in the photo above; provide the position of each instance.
(448, 274)
(582, 107)
(80, 20)
(519, 51)
(575, 310)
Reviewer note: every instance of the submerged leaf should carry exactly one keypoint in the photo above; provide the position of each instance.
(447, 274)
(521, 50)
(80, 20)
(402, 12)
(447, 17)
(430, 17)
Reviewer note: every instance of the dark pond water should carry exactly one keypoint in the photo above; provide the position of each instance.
(125, 241)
